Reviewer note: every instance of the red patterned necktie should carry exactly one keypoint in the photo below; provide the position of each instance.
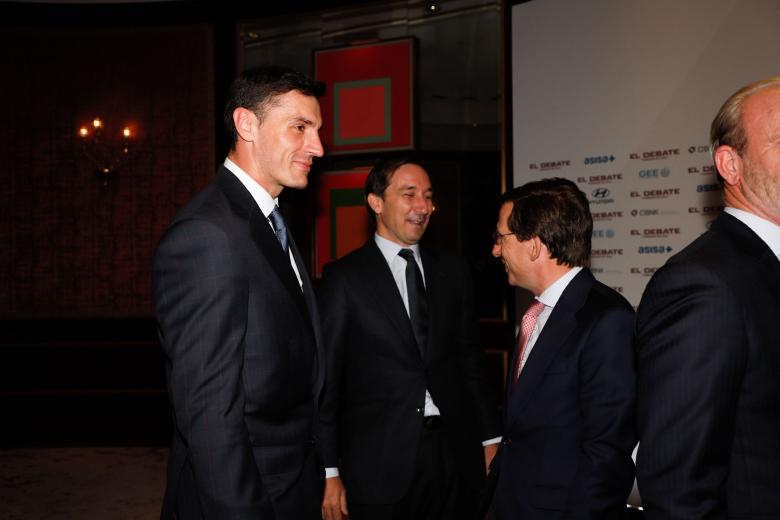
(527, 325)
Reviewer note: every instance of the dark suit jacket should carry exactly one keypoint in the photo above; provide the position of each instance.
(708, 339)
(570, 424)
(372, 410)
(241, 342)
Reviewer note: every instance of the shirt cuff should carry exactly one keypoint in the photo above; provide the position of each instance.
(333, 472)
(494, 440)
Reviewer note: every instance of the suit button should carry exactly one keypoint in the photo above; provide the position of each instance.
(506, 441)
(419, 410)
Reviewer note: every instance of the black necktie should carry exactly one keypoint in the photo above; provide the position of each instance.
(418, 301)
(281, 230)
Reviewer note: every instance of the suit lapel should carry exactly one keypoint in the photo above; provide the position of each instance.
(555, 334)
(379, 283)
(263, 236)
(435, 285)
(311, 305)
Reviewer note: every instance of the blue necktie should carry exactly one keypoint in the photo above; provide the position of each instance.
(281, 230)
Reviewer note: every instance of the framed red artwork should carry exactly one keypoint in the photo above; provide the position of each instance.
(341, 221)
(369, 98)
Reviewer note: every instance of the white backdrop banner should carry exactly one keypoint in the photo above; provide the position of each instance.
(618, 96)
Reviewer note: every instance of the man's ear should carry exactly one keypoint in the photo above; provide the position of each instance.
(243, 120)
(729, 163)
(375, 202)
(536, 247)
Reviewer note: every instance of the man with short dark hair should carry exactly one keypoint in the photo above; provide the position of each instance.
(238, 321)
(407, 421)
(569, 426)
(708, 338)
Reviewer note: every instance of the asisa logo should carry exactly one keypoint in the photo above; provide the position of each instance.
(599, 159)
(654, 250)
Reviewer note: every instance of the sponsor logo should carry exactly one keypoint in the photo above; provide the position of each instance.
(603, 233)
(600, 179)
(654, 155)
(599, 159)
(606, 253)
(701, 148)
(652, 212)
(655, 232)
(707, 169)
(601, 196)
(550, 165)
(606, 215)
(664, 193)
(644, 271)
(596, 270)
(654, 173)
(705, 209)
(703, 188)
(654, 250)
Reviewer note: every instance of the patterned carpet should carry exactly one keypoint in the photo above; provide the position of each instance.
(106, 483)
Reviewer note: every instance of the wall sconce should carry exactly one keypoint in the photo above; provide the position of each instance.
(105, 151)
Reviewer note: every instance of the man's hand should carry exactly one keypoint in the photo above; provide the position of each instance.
(490, 452)
(334, 503)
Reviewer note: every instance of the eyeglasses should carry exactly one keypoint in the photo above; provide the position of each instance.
(498, 236)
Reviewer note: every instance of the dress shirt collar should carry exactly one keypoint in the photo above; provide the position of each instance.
(767, 231)
(264, 201)
(390, 249)
(553, 293)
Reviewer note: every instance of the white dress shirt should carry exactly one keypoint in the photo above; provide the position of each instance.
(767, 231)
(549, 298)
(397, 266)
(264, 201)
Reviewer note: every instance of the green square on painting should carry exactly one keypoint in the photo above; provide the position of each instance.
(362, 111)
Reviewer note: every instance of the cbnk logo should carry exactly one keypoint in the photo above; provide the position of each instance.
(600, 193)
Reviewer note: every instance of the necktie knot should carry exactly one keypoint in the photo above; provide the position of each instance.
(277, 221)
(527, 325)
(406, 254)
(533, 311)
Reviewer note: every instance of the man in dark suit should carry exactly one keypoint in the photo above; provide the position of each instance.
(407, 420)
(238, 320)
(570, 424)
(708, 338)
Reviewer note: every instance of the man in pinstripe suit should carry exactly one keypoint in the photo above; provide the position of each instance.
(238, 321)
(708, 338)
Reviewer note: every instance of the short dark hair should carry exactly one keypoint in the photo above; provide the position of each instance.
(256, 89)
(556, 211)
(381, 175)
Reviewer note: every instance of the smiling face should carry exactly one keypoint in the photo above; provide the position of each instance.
(404, 209)
(286, 141)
